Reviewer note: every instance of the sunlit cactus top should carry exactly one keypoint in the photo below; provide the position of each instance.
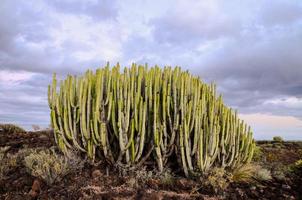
(128, 116)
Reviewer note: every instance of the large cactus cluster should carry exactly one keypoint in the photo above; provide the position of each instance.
(128, 116)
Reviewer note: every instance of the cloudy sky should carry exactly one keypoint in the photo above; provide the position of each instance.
(251, 49)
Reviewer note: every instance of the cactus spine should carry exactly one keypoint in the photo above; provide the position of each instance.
(140, 113)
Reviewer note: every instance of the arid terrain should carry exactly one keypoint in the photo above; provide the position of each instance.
(99, 182)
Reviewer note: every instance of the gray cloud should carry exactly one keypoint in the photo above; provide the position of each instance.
(253, 56)
(24, 102)
(267, 69)
(98, 10)
(30, 34)
(250, 49)
(280, 12)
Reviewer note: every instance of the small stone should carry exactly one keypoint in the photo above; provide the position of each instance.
(185, 183)
(33, 194)
(286, 187)
(153, 183)
(43, 137)
(255, 193)
(240, 192)
(35, 189)
(36, 186)
(96, 173)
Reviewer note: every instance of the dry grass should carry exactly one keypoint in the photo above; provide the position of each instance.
(244, 173)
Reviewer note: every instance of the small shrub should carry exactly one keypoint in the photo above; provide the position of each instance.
(272, 157)
(262, 174)
(300, 153)
(12, 160)
(140, 176)
(248, 173)
(296, 167)
(143, 175)
(298, 164)
(257, 154)
(167, 178)
(7, 162)
(244, 173)
(22, 153)
(278, 139)
(3, 165)
(137, 177)
(4, 168)
(50, 166)
(218, 179)
(279, 175)
(11, 128)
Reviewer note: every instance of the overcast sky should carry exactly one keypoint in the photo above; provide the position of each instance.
(251, 49)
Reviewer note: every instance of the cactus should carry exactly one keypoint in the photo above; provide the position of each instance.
(128, 117)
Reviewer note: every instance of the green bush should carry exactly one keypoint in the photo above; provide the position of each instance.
(279, 174)
(5, 163)
(272, 157)
(258, 154)
(142, 114)
(300, 153)
(278, 139)
(11, 128)
(9, 161)
(50, 166)
(218, 179)
(262, 174)
(298, 164)
(296, 167)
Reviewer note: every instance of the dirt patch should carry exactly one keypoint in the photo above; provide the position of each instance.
(17, 141)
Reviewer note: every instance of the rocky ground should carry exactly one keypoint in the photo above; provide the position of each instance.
(97, 182)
